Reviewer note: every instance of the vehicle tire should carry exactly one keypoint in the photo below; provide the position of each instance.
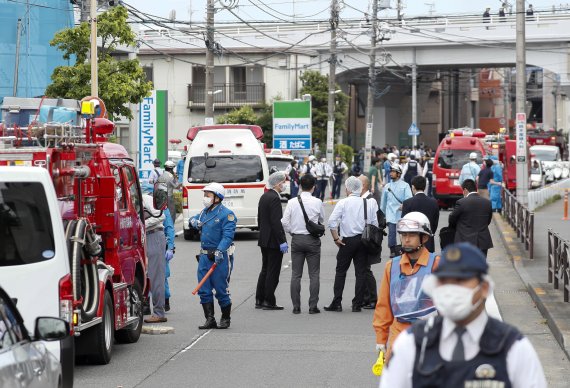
(102, 335)
(132, 335)
(67, 361)
(187, 235)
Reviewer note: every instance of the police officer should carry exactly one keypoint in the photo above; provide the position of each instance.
(428, 174)
(411, 169)
(218, 225)
(339, 169)
(400, 300)
(463, 347)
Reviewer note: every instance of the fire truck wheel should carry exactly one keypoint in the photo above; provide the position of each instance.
(132, 335)
(102, 335)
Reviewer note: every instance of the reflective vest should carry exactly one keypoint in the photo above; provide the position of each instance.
(407, 299)
(412, 171)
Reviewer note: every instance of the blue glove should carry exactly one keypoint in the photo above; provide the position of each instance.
(284, 248)
(169, 255)
(218, 257)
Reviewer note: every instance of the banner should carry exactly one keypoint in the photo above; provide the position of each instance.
(153, 132)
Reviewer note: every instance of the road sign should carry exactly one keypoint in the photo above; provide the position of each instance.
(292, 125)
(413, 130)
(521, 136)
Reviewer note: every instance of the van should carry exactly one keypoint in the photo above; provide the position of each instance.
(233, 156)
(280, 161)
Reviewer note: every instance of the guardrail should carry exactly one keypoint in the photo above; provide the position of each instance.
(521, 219)
(558, 267)
(538, 197)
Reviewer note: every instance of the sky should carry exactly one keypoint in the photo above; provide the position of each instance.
(317, 9)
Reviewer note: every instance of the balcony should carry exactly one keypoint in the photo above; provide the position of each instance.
(230, 95)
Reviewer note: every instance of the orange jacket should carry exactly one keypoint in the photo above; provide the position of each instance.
(387, 329)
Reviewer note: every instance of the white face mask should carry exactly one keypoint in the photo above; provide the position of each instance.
(207, 201)
(454, 302)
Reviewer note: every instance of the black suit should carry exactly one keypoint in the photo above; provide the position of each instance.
(470, 219)
(427, 206)
(271, 235)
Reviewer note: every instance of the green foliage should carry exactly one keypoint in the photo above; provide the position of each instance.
(346, 152)
(178, 201)
(120, 82)
(242, 115)
(317, 85)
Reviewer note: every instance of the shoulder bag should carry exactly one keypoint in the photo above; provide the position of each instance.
(372, 237)
(314, 229)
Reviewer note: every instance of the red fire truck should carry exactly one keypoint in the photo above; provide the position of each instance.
(100, 202)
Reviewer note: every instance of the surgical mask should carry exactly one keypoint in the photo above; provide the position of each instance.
(207, 201)
(454, 302)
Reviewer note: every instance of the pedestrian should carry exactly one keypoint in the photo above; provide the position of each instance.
(156, 261)
(502, 14)
(169, 255)
(156, 172)
(168, 179)
(529, 11)
(217, 224)
(371, 292)
(304, 246)
(393, 196)
(294, 178)
(471, 218)
(348, 219)
(487, 15)
(463, 347)
(180, 168)
(470, 170)
(387, 165)
(495, 187)
(401, 301)
(323, 172)
(272, 242)
(420, 202)
(428, 174)
(375, 179)
(416, 152)
(339, 169)
(483, 179)
(411, 169)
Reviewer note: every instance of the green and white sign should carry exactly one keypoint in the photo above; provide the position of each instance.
(292, 126)
(153, 131)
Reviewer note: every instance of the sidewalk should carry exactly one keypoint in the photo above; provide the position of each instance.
(534, 273)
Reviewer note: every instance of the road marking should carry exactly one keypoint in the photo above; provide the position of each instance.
(492, 308)
(539, 291)
(195, 341)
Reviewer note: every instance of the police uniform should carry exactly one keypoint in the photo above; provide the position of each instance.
(493, 353)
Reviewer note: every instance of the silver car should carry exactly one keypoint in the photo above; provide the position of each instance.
(25, 362)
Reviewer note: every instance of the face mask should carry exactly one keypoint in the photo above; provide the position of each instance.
(454, 302)
(207, 201)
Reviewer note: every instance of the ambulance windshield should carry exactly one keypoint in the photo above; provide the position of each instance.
(227, 169)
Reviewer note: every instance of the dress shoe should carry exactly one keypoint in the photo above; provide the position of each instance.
(296, 310)
(356, 309)
(369, 306)
(272, 307)
(258, 304)
(332, 307)
(314, 310)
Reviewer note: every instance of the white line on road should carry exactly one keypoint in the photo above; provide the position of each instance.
(194, 342)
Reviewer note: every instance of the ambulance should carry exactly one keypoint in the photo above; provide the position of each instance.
(232, 155)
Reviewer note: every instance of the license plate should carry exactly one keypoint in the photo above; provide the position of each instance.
(232, 202)
(456, 182)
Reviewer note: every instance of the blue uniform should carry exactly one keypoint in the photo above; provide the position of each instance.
(180, 170)
(218, 227)
(169, 234)
(495, 190)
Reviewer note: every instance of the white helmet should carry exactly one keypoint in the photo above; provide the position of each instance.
(414, 222)
(391, 156)
(311, 158)
(473, 156)
(169, 164)
(217, 189)
(396, 168)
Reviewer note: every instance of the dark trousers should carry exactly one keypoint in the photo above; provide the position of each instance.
(321, 188)
(337, 183)
(429, 177)
(305, 247)
(271, 259)
(371, 292)
(352, 251)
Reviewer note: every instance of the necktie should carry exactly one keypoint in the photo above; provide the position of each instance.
(459, 351)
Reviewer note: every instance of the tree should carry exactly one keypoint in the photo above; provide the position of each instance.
(246, 115)
(317, 85)
(120, 81)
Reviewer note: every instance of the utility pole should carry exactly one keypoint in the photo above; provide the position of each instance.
(93, 52)
(17, 64)
(371, 89)
(399, 9)
(522, 166)
(332, 82)
(414, 98)
(209, 99)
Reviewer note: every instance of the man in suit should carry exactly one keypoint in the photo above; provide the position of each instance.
(420, 202)
(272, 242)
(471, 218)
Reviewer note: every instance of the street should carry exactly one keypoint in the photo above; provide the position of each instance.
(278, 348)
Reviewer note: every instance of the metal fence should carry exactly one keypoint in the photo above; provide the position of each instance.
(521, 219)
(558, 267)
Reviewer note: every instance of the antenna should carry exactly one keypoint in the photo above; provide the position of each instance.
(431, 8)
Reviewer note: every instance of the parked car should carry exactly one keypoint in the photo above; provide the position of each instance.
(25, 361)
(537, 178)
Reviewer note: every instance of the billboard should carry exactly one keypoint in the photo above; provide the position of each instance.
(292, 126)
(153, 131)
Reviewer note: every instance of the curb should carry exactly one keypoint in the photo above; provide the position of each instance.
(516, 253)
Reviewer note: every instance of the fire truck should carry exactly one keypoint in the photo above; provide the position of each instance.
(101, 207)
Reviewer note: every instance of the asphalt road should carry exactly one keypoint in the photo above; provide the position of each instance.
(270, 348)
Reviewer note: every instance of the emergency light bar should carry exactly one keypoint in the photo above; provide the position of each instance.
(255, 129)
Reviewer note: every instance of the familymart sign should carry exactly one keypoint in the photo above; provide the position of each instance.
(292, 125)
(153, 131)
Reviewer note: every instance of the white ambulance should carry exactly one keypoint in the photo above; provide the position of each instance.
(233, 156)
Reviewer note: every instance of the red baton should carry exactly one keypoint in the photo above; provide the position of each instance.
(204, 279)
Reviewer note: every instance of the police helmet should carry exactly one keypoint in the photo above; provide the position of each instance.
(217, 189)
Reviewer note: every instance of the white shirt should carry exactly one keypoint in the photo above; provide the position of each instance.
(154, 174)
(322, 170)
(293, 220)
(349, 214)
(523, 366)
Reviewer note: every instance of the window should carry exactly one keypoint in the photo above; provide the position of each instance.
(280, 164)
(134, 190)
(148, 73)
(119, 188)
(226, 169)
(10, 330)
(454, 159)
(24, 215)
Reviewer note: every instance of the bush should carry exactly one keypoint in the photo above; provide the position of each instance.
(178, 201)
(346, 152)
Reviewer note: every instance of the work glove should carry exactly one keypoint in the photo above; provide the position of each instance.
(284, 248)
(169, 255)
(380, 348)
(218, 257)
(195, 223)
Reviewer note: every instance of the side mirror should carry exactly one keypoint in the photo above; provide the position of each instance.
(160, 199)
(51, 329)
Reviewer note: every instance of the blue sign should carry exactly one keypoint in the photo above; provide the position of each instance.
(413, 130)
(292, 144)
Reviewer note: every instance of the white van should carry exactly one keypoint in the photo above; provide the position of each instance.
(233, 156)
(33, 253)
(279, 161)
